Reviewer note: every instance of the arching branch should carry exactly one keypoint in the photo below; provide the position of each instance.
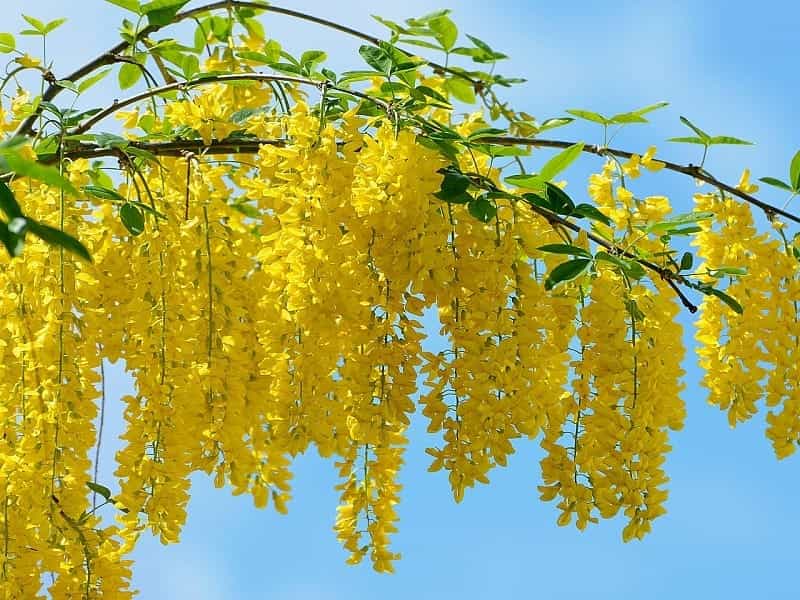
(111, 56)
(690, 170)
(120, 104)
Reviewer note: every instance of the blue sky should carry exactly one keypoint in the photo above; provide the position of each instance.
(732, 527)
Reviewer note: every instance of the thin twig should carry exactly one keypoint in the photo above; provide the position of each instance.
(99, 431)
(119, 104)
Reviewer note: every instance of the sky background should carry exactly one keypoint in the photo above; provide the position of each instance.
(732, 526)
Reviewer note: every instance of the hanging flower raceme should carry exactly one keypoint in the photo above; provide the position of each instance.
(750, 357)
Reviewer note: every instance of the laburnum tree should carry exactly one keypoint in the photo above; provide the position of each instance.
(258, 241)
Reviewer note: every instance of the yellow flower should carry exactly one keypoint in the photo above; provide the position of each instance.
(648, 161)
(744, 183)
(26, 60)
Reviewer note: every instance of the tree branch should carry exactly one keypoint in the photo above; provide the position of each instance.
(171, 148)
(671, 277)
(690, 170)
(244, 146)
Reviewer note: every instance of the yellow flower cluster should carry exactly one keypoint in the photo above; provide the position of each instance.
(606, 448)
(751, 357)
(51, 338)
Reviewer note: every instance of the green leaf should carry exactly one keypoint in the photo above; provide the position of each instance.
(446, 148)
(68, 85)
(566, 271)
(483, 53)
(528, 182)
(220, 27)
(777, 182)
(162, 12)
(329, 75)
(722, 271)
(635, 270)
(650, 108)
(445, 31)
(132, 218)
(201, 36)
(131, 5)
(190, 65)
(103, 193)
(393, 87)
(248, 55)
(454, 188)
(312, 58)
(631, 268)
(485, 132)
(588, 115)
(287, 68)
(38, 25)
(726, 139)
(794, 172)
(677, 221)
(7, 43)
(553, 198)
(128, 75)
(555, 122)
(53, 25)
(426, 19)
(25, 167)
(687, 261)
(701, 134)
(480, 44)
(688, 140)
(588, 211)
(377, 58)
(430, 93)
(99, 177)
(461, 89)
(397, 28)
(100, 489)
(683, 230)
(628, 117)
(561, 202)
(85, 84)
(272, 49)
(8, 202)
(111, 140)
(253, 26)
(538, 200)
(729, 300)
(349, 76)
(422, 44)
(495, 151)
(482, 208)
(565, 249)
(56, 237)
(560, 161)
